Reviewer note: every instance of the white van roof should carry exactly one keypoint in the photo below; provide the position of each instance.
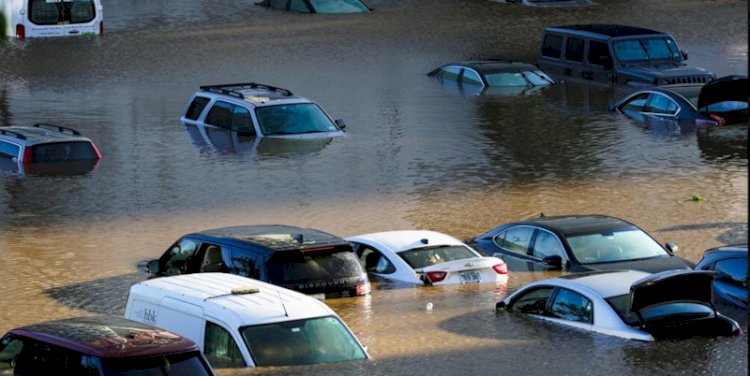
(236, 300)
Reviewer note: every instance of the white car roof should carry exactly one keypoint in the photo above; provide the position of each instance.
(213, 292)
(400, 241)
(257, 100)
(605, 284)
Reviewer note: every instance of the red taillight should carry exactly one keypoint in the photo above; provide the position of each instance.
(363, 288)
(27, 155)
(705, 123)
(20, 31)
(101, 27)
(316, 249)
(720, 120)
(98, 154)
(436, 276)
(501, 268)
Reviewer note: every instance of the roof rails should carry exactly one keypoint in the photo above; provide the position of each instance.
(15, 134)
(223, 89)
(58, 128)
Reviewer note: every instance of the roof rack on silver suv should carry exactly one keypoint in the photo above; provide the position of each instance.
(234, 91)
(59, 128)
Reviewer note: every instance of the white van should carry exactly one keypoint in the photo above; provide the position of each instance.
(51, 18)
(238, 321)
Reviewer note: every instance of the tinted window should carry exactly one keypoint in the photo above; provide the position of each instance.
(38, 358)
(658, 49)
(734, 269)
(637, 103)
(211, 258)
(450, 73)
(10, 348)
(180, 258)
(506, 79)
(373, 261)
(220, 115)
(185, 364)
(318, 340)
(630, 51)
(517, 239)
(621, 245)
(552, 46)
(292, 266)
(676, 311)
(661, 104)
(547, 244)
(63, 151)
(220, 348)
(422, 257)
(338, 6)
(574, 49)
(45, 12)
(245, 264)
(299, 6)
(293, 119)
(8, 150)
(599, 53)
(471, 77)
(241, 120)
(196, 107)
(533, 302)
(569, 305)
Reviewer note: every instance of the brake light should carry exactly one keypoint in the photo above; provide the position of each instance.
(705, 123)
(101, 27)
(27, 155)
(98, 154)
(501, 268)
(20, 31)
(316, 249)
(363, 288)
(718, 119)
(436, 276)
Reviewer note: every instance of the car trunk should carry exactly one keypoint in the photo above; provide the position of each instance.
(476, 269)
(725, 90)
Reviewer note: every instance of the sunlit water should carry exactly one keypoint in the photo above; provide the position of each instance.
(415, 156)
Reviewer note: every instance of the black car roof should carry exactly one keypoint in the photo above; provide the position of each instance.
(609, 30)
(276, 237)
(580, 224)
(492, 66)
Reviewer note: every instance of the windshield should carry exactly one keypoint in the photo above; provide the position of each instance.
(309, 341)
(63, 151)
(293, 266)
(293, 119)
(661, 313)
(423, 257)
(647, 50)
(338, 6)
(619, 245)
(188, 364)
(48, 12)
(524, 78)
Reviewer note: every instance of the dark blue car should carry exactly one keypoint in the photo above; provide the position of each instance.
(577, 243)
(730, 281)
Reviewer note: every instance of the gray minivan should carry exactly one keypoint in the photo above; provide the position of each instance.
(617, 54)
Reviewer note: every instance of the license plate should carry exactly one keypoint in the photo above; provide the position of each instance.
(470, 277)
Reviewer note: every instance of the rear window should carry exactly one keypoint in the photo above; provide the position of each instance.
(295, 266)
(187, 364)
(63, 151)
(552, 46)
(196, 108)
(423, 257)
(49, 12)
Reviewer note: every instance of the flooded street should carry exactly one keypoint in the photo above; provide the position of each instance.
(415, 156)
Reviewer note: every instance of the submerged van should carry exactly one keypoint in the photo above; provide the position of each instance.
(51, 18)
(239, 322)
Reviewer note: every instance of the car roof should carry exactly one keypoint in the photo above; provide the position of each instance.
(605, 283)
(238, 300)
(729, 249)
(42, 133)
(255, 93)
(400, 241)
(607, 30)
(572, 225)
(276, 237)
(494, 66)
(107, 337)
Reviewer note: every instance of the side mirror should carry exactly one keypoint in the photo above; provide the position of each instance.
(153, 267)
(684, 54)
(500, 306)
(341, 123)
(672, 248)
(554, 262)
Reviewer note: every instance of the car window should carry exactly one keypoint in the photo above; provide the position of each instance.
(278, 4)
(38, 358)
(45, 12)
(532, 302)
(220, 348)
(574, 49)
(183, 364)
(620, 245)
(450, 73)
(658, 49)
(422, 257)
(196, 107)
(179, 259)
(373, 261)
(734, 269)
(313, 265)
(241, 120)
(220, 115)
(570, 305)
(245, 263)
(299, 6)
(630, 51)
(661, 104)
(506, 79)
(552, 46)
(599, 54)
(63, 152)
(547, 244)
(517, 239)
(211, 258)
(293, 119)
(471, 77)
(338, 6)
(8, 150)
(10, 349)
(538, 78)
(637, 103)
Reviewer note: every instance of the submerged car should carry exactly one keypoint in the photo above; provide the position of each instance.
(425, 257)
(99, 346)
(302, 259)
(577, 243)
(491, 77)
(259, 110)
(730, 265)
(318, 6)
(720, 102)
(627, 304)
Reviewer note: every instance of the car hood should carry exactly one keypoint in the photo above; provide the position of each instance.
(673, 285)
(651, 73)
(652, 265)
(729, 88)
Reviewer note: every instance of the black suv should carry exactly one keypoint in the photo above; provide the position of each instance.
(306, 260)
(617, 54)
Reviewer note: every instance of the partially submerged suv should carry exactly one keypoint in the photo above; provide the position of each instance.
(254, 109)
(41, 147)
(317, 6)
(309, 261)
(617, 54)
(99, 346)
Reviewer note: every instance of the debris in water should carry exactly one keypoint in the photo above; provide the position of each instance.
(697, 198)
(429, 306)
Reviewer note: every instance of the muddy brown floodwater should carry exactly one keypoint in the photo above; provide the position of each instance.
(415, 156)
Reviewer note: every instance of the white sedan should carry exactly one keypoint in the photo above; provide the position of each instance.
(425, 257)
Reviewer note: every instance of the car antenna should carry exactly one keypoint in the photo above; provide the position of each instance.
(282, 303)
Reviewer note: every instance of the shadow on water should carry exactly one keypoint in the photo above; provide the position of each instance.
(103, 296)
(736, 232)
(724, 143)
(5, 116)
